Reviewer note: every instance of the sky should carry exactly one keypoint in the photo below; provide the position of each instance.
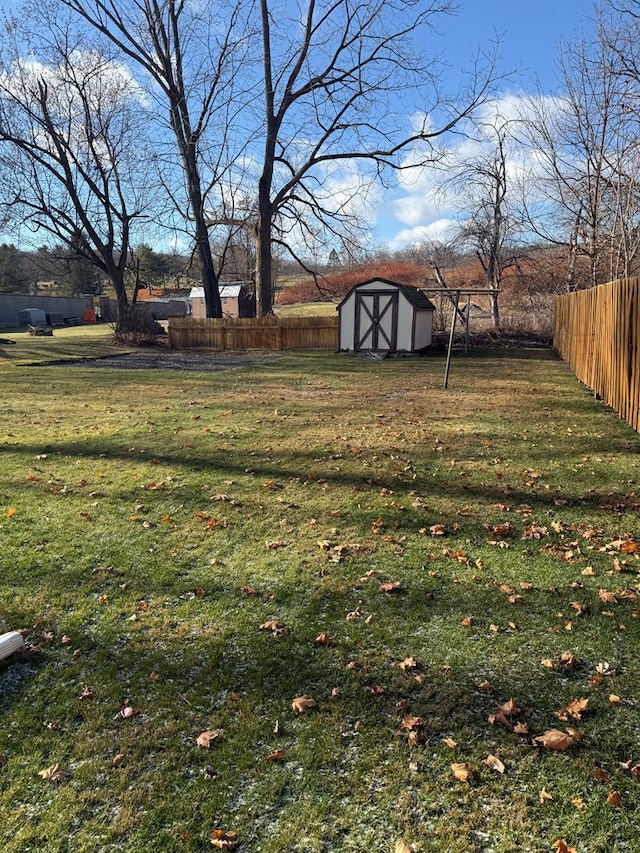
(529, 33)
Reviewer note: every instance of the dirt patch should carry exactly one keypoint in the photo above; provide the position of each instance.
(166, 360)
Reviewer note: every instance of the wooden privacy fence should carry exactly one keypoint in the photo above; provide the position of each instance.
(597, 332)
(278, 333)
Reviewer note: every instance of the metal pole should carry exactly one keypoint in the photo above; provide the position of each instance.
(453, 327)
(466, 326)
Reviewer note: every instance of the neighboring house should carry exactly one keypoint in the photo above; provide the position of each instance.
(384, 316)
(238, 300)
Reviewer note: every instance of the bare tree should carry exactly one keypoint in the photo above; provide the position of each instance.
(480, 182)
(338, 79)
(585, 147)
(70, 133)
(190, 51)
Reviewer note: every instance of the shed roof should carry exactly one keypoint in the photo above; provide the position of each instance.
(227, 291)
(414, 296)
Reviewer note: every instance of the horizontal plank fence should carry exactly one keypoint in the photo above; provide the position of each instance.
(276, 333)
(597, 332)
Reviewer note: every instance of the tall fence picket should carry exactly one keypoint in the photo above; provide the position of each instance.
(277, 333)
(597, 332)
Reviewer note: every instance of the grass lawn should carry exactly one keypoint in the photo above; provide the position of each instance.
(449, 576)
(307, 309)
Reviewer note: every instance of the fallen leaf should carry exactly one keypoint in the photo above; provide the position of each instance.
(509, 707)
(505, 529)
(501, 720)
(556, 740)
(450, 742)
(463, 772)
(579, 803)
(127, 711)
(301, 704)
(494, 763)
(575, 709)
(614, 699)
(408, 663)
(390, 586)
(323, 639)
(412, 723)
(275, 755)
(437, 530)
(467, 621)
(562, 847)
(55, 774)
(224, 840)
(206, 739)
(402, 847)
(275, 627)
(545, 797)
(614, 799)
(607, 597)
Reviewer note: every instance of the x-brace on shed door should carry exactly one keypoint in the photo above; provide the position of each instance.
(376, 320)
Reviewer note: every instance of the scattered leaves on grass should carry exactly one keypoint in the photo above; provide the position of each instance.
(55, 774)
(301, 704)
(208, 738)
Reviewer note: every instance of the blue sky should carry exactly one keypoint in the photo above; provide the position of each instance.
(529, 34)
(529, 30)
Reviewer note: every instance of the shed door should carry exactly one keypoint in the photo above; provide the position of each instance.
(376, 320)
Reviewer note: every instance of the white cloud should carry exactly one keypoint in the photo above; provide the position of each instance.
(439, 230)
(421, 203)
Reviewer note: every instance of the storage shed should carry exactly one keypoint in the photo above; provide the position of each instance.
(238, 300)
(380, 315)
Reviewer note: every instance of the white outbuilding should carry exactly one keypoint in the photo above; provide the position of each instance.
(384, 316)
